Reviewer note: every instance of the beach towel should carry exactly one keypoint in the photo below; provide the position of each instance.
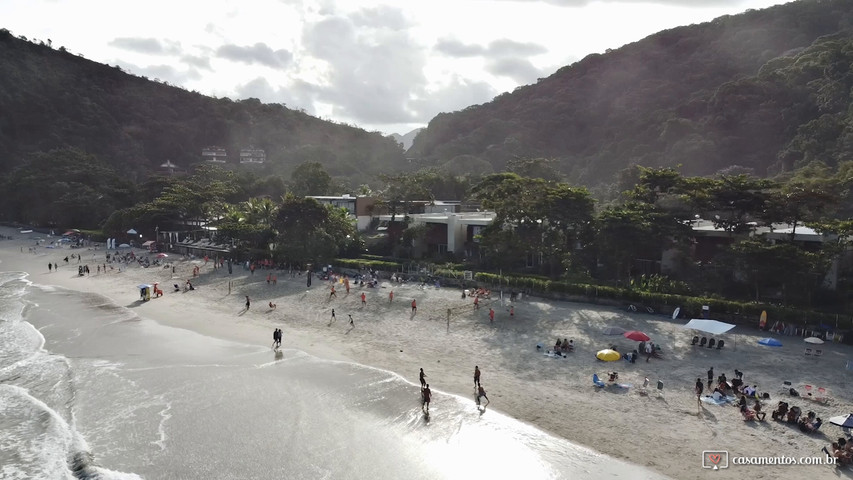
(721, 401)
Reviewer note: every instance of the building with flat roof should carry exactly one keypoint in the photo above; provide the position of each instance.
(447, 232)
(214, 154)
(252, 155)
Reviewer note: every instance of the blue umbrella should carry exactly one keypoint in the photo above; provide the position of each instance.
(770, 342)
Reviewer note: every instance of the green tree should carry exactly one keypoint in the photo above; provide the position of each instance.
(311, 232)
(310, 178)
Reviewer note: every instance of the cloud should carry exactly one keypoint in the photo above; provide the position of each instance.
(146, 45)
(455, 48)
(258, 53)
(680, 3)
(382, 16)
(505, 46)
(498, 48)
(373, 71)
(197, 61)
(518, 69)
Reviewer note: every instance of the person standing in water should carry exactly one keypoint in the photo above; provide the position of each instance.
(422, 376)
(426, 394)
(481, 393)
(476, 376)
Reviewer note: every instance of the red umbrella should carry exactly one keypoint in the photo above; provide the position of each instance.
(637, 336)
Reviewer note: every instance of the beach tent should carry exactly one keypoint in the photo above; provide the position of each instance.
(132, 232)
(814, 340)
(843, 421)
(770, 342)
(613, 331)
(713, 327)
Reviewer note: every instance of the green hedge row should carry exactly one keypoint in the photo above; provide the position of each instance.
(721, 309)
(374, 264)
(741, 312)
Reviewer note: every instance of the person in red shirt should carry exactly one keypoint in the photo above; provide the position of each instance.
(414, 306)
(491, 315)
(363, 299)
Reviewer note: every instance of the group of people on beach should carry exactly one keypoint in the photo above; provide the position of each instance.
(426, 393)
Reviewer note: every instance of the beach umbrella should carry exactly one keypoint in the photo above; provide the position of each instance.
(161, 255)
(770, 342)
(608, 355)
(637, 336)
(843, 421)
(124, 245)
(814, 340)
(613, 331)
(132, 232)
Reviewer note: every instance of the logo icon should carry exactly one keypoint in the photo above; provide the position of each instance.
(715, 459)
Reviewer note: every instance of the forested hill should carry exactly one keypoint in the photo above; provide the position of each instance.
(50, 98)
(767, 90)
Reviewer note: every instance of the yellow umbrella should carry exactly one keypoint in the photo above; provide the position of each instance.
(608, 355)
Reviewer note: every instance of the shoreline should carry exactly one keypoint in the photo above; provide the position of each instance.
(553, 395)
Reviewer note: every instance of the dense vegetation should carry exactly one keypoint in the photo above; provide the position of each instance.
(766, 90)
(52, 99)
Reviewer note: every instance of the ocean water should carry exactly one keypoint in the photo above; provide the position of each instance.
(89, 389)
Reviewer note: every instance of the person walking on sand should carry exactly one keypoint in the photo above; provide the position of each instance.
(363, 299)
(698, 390)
(351, 323)
(333, 316)
(422, 377)
(49, 266)
(414, 306)
(476, 376)
(491, 315)
(476, 302)
(481, 393)
(710, 377)
(425, 396)
(649, 348)
(332, 293)
(391, 296)
(248, 302)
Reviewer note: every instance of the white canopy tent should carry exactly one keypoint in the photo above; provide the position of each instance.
(714, 327)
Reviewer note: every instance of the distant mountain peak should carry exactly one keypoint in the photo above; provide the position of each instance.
(406, 139)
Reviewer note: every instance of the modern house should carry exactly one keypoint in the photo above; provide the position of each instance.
(252, 155)
(214, 154)
(448, 232)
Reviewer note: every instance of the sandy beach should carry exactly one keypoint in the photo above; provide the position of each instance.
(665, 430)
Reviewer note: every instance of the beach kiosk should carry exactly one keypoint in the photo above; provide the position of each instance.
(145, 291)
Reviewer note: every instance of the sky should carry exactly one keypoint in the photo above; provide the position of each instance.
(387, 66)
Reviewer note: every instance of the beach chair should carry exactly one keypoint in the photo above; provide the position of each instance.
(660, 388)
(808, 389)
(711, 343)
(597, 381)
(818, 352)
(808, 352)
(847, 432)
(848, 365)
(644, 388)
(720, 344)
(695, 340)
(821, 395)
(703, 341)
